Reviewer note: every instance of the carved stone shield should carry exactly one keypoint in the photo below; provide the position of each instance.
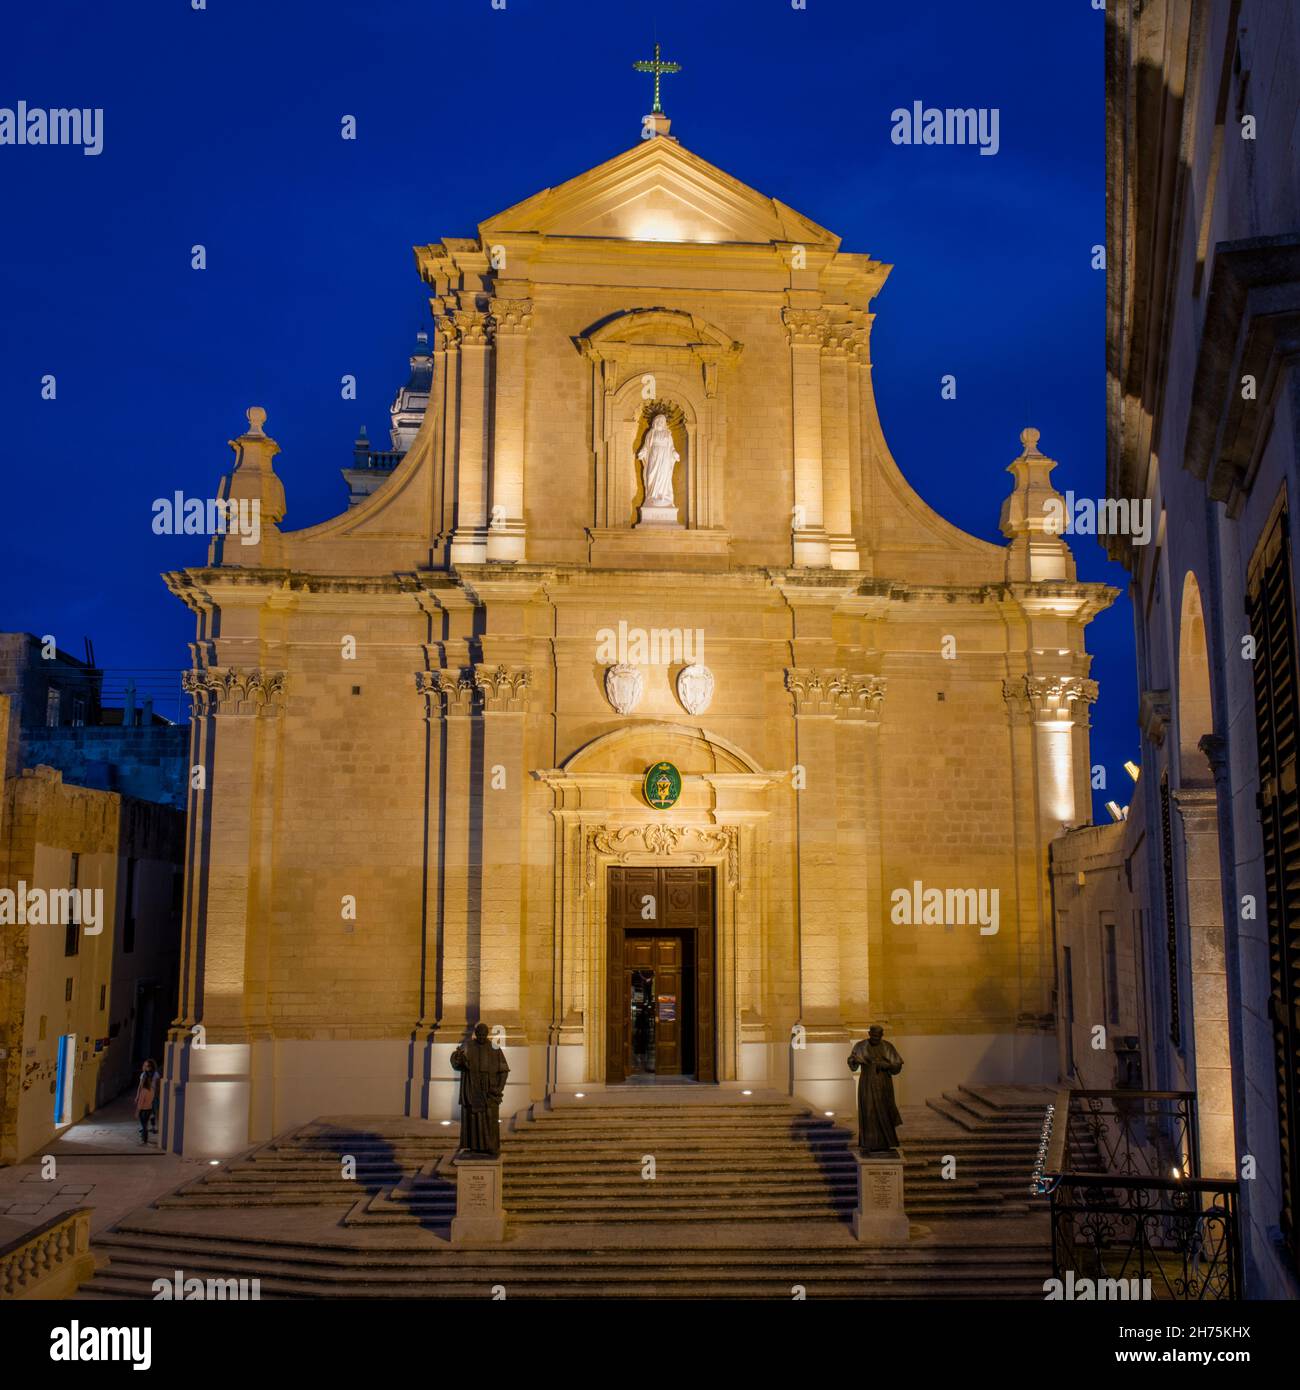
(624, 686)
(695, 688)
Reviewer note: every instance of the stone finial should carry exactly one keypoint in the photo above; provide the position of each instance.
(1034, 516)
(255, 496)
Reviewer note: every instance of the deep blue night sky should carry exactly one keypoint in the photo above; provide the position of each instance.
(222, 128)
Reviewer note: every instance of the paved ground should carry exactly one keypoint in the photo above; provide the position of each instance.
(98, 1163)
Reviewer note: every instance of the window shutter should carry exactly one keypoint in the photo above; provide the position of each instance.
(1271, 605)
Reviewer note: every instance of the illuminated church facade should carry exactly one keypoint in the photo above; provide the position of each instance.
(645, 745)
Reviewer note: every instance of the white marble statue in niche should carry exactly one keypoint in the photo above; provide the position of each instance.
(658, 456)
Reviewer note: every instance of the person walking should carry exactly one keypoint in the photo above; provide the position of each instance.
(146, 1097)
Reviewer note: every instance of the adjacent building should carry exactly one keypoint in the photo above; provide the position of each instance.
(1204, 423)
(90, 891)
(370, 466)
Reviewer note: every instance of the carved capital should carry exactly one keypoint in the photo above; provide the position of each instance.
(859, 339)
(1017, 698)
(503, 689)
(831, 693)
(1050, 699)
(512, 315)
(841, 339)
(815, 692)
(449, 693)
(862, 697)
(426, 684)
(473, 327)
(805, 327)
(230, 690)
(445, 333)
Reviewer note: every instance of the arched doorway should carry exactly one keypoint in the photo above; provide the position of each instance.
(609, 844)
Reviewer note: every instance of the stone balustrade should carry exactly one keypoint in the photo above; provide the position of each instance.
(49, 1261)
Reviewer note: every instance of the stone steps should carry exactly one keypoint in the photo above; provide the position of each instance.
(137, 1259)
(134, 1235)
(694, 1161)
(765, 1172)
(763, 1160)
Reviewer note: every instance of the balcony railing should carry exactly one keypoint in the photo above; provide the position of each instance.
(1128, 1202)
(377, 460)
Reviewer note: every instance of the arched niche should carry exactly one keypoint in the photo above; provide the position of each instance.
(632, 419)
(658, 355)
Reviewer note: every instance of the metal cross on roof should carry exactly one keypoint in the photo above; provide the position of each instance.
(657, 68)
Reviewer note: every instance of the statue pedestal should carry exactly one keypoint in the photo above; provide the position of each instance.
(480, 1218)
(880, 1218)
(648, 515)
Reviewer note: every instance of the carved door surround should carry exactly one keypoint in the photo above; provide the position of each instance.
(688, 360)
(601, 820)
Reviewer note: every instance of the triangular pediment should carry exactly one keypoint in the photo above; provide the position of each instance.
(658, 191)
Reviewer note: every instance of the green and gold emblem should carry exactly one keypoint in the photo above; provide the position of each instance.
(662, 785)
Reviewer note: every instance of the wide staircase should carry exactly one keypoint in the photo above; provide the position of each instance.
(669, 1191)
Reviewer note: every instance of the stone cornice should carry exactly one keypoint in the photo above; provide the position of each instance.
(661, 334)
(1251, 329)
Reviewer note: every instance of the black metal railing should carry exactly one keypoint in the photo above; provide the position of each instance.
(1177, 1238)
(1130, 1212)
(1132, 1133)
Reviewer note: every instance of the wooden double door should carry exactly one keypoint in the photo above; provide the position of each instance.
(660, 985)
